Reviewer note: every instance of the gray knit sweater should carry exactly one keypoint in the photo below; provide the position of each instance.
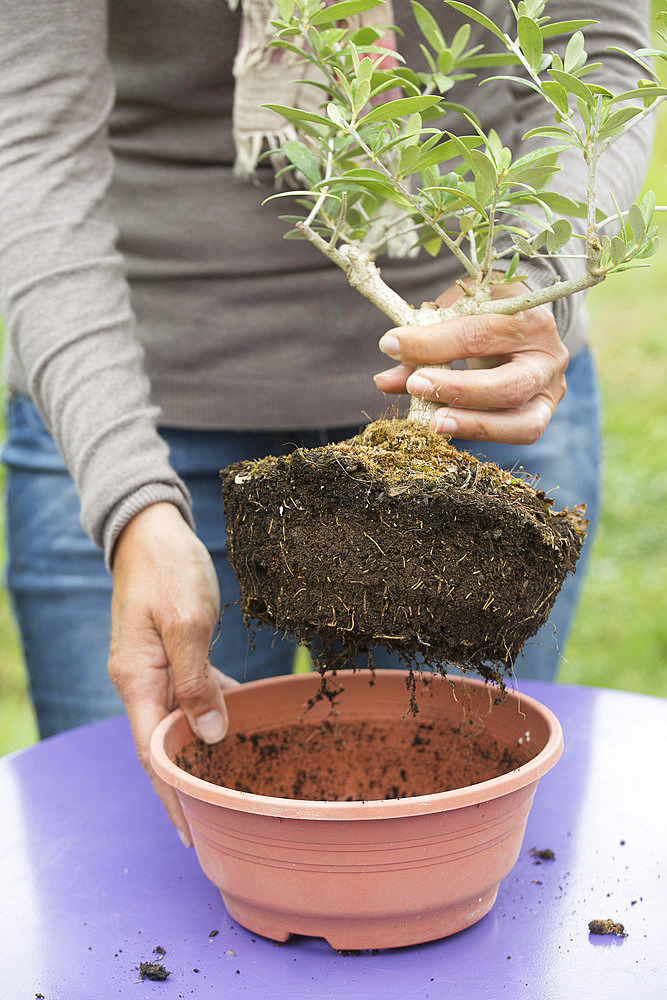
(140, 281)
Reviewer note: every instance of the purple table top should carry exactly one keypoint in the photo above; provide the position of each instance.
(93, 879)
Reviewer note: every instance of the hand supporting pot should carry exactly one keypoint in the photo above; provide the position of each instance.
(164, 610)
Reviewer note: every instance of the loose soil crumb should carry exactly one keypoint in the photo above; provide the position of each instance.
(607, 927)
(150, 970)
(353, 761)
(544, 855)
(397, 539)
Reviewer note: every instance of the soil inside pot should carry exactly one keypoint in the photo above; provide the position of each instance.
(346, 761)
(395, 538)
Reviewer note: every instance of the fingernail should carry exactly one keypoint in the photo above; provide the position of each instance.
(185, 839)
(390, 345)
(210, 726)
(387, 374)
(446, 425)
(417, 384)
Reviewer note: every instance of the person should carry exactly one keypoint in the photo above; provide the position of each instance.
(159, 328)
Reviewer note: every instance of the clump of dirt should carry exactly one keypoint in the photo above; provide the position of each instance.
(153, 971)
(546, 854)
(354, 761)
(396, 538)
(607, 927)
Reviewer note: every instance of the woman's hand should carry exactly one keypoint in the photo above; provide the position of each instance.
(511, 402)
(164, 610)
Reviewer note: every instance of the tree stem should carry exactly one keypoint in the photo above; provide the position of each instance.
(363, 274)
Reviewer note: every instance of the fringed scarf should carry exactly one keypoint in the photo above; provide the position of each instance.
(266, 75)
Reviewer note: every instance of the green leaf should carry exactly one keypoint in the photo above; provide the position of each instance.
(460, 40)
(557, 94)
(341, 11)
(616, 122)
(428, 26)
(564, 27)
(523, 245)
(335, 115)
(562, 204)
(647, 206)
(409, 159)
(445, 61)
(635, 57)
(295, 115)
(464, 197)
(302, 158)
(560, 235)
(574, 53)
(476, 15)
(644, 92)
(398, 109)
(365, 36)
(490, 59)
(432, 245)
(286, 9)
(573, 85)
(486, 177)
(530, 39)
(447, 150)
(636, 223)
(534, 157)
(652, 247)
(361, 96)
(618, 250)
(513, 79)
(511, 270)
(550, 132)
(365, 70)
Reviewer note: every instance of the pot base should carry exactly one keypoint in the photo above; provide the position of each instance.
(352, 933)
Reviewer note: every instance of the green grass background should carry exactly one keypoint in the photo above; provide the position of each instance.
(620, 636)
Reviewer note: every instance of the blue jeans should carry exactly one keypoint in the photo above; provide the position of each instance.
(61, 591)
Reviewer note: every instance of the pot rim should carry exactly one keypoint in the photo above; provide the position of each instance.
(373, 809)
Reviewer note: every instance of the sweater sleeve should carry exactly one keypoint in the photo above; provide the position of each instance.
(622, 167)
(63, 292)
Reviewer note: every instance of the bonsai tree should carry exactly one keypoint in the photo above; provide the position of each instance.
(419, 547)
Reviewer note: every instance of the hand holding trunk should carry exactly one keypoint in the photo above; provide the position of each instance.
(515, 376)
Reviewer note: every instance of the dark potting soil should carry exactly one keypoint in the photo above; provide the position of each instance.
(606, 927)
(353, 761)
(153, 971)
(395, 538)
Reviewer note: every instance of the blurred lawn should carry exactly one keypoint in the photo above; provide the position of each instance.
(620, 638)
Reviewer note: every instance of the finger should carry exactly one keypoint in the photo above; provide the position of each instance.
(393, 379)
(524, 425)
(506, 386)
(186, 641)
(473, 337)
(145, 705)
(172, 806)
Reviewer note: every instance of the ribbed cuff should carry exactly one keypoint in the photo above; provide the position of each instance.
(125, 510)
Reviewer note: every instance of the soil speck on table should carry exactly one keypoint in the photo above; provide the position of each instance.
(607, 927)
(153, 971)
(546, 854)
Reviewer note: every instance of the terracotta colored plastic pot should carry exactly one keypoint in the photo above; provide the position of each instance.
(364, 874)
